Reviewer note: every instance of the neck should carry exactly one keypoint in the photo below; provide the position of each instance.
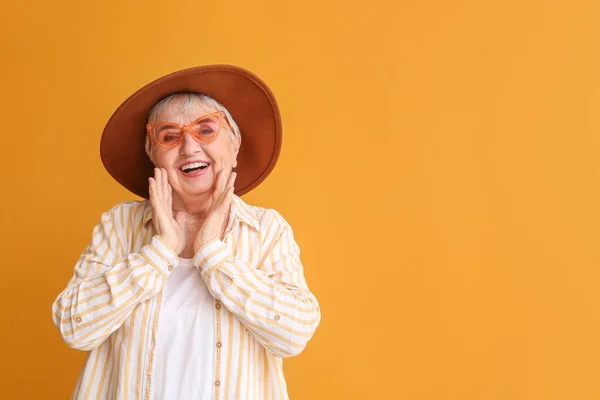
(194, 207)
(196, 210)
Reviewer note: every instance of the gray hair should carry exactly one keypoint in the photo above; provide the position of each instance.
(189, 100)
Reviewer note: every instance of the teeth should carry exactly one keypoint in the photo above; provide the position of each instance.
(194, 165)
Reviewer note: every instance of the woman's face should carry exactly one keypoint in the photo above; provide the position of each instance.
(220, 153)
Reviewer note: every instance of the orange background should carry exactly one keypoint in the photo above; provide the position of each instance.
(440, 169)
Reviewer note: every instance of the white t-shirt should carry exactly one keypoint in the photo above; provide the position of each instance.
(186, 339)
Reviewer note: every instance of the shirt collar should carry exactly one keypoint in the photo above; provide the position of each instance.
(147, 213)
(240, 212)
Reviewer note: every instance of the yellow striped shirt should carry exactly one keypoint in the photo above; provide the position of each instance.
(264, 310)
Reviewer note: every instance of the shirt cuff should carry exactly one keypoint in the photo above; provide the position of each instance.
(211, 255)
(160, 255)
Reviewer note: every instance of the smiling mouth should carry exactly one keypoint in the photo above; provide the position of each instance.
(192, 167)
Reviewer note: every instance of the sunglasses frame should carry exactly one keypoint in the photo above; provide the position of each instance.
(151, 128)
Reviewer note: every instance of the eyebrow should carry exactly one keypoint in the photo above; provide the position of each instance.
(204, 117)
(201, 120)
(166, 125)
(169, 124)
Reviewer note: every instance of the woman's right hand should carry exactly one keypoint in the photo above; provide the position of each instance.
(170, 229)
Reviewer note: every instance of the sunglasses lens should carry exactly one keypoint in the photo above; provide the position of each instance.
(167, 136)
(206, 129)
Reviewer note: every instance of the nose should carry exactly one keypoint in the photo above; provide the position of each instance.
(189, 145)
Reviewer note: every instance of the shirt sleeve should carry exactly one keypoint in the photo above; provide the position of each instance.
(108, 282)
(273, 300)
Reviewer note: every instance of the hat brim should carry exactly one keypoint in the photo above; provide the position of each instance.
(248, 99)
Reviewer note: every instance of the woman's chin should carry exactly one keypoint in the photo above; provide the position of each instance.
(195, 190)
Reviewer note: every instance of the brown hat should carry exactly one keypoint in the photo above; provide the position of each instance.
(248, 99)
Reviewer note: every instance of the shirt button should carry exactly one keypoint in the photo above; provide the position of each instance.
(219, 345)
(217, 383)
(276, 318)
(170, 268)
(200, 268)
(78, 319)
(218, 306)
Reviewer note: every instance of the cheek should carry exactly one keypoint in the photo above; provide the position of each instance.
(173, 179)
(162, 158)
(224, 151)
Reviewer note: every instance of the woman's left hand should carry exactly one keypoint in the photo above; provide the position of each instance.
(221, 201)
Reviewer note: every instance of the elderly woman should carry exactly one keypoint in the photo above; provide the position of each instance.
(193, 294)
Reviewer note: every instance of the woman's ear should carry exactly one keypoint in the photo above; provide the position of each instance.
(148, 149)
(237, 142)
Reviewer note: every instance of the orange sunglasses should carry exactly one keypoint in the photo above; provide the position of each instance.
(205, 129)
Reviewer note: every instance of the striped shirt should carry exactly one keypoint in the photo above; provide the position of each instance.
(264, 310)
